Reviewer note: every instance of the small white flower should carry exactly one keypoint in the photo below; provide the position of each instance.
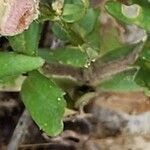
(17, 15)
(57, 5)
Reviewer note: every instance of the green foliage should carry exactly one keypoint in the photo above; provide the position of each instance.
(145, 54)
(45, 103)
(117, 53)
(72, 56)
(87, 24)
(27, 42)
(91, 49)
(133, 14)
(109, 34)
(71, 11)
(14, 64)
(46, 13)
(74, 10)
(122, 82)
(76, 32)
(65, 33)
(93, 40)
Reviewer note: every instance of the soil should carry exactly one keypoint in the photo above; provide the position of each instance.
(81, 131)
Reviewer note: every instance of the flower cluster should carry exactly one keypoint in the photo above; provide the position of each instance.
(17, 15)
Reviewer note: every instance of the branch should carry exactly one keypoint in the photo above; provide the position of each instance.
(20, 131)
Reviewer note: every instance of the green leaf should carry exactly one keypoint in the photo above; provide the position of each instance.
(122, 82)
(93, 40)
(91, 52)
(145, 54)
(143, 79)
(13, 64)
(144, 3)
(133, 14)
(46, 13)
(116, 54)
(144, 60)
(74, 10)
(87, 23)
(72, 56)
(11, 83)
(27, 42)
(45, 103)
(60, 32)
(64, 32)
(109, 37)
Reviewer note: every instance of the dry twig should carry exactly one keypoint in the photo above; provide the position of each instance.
(20, 131)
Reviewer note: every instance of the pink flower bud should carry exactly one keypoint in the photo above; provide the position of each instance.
(17, 15)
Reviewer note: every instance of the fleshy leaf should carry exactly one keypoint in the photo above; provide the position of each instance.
(143, 79)
(13, 64)
(65, 33)
(144, 60)
(109, 37)
(26, 42)
(145, 54)
(116, 54)
(122, 82)
(46, 13)
(88, 22)
(72, 56)
(93, 40)
(45, 103)
(133, 14)
(74, 10)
